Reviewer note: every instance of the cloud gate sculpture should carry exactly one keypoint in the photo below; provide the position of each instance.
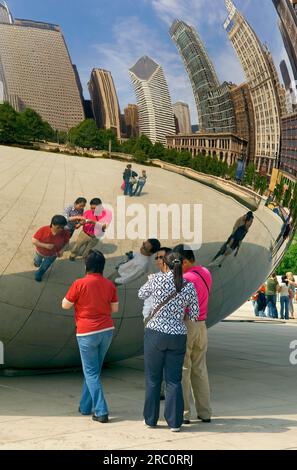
(35, 331)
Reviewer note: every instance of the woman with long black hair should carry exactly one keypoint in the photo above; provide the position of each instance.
(165, 340)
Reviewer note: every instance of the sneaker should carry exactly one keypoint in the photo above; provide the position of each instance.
(204, 420)
(186, 421)
(100, 419)
(149, 426)
(175, 429)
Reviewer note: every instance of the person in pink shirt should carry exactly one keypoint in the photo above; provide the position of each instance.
(195, 374)
(87, 239)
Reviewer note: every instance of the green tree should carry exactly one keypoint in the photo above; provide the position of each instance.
(144, 143)
(157, 151)
(85, 135)
(279, 191)
(287, 196)
(129, 145)
(170, 155)
(140, 156)
(184, 158)
(289, 263)
(106, 135)
(260, 184)
(250, 173)
(232, 171)
(9, 124)
(32, 126)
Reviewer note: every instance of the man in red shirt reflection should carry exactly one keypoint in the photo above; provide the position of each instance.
(49, 242)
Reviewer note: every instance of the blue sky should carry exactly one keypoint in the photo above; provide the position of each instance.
(114, 34)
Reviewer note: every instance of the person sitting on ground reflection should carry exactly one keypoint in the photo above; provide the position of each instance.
(139, 264)
(233, 243)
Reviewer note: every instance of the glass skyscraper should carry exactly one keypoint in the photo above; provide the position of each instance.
(213, 101)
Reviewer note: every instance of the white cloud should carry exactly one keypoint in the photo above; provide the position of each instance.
(195, 12)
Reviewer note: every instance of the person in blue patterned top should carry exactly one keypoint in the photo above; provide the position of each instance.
(165, 340)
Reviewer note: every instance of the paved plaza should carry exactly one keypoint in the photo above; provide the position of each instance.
(253, 397)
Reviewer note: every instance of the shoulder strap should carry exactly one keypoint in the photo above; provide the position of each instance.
(165, 302)
(197, 272)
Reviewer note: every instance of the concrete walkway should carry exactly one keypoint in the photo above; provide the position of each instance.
(253, 396)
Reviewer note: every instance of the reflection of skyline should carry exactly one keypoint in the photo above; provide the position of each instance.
(215, 109)
(115, 38)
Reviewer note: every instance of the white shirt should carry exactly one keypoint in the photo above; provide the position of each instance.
(284, 290)
(133, 269)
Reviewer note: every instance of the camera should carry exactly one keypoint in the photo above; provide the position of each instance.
(129, 255)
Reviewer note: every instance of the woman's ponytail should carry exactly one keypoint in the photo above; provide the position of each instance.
(175, 263)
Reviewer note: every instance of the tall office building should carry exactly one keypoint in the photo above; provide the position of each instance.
(286, 10)
(5, 15)
(262, 85)
(245, 117)
(280, 89)
(291, 101)
(36, 71)
(182, 113)
(213, 101)
(285, 74)
(156, 119)
(105, 102)
(131, 120)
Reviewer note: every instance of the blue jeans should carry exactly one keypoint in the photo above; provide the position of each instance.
(284, 301)
(139, 187)
(44, 263)
(164, 352)
(93, 349)
(128, 188)
(271, 304)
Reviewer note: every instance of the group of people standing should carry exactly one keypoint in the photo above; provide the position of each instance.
(175, 340)
(264, 300)
(132, 183)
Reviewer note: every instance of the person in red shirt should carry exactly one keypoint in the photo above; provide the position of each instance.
(195, 374)
(49, 242)
(94, 298)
